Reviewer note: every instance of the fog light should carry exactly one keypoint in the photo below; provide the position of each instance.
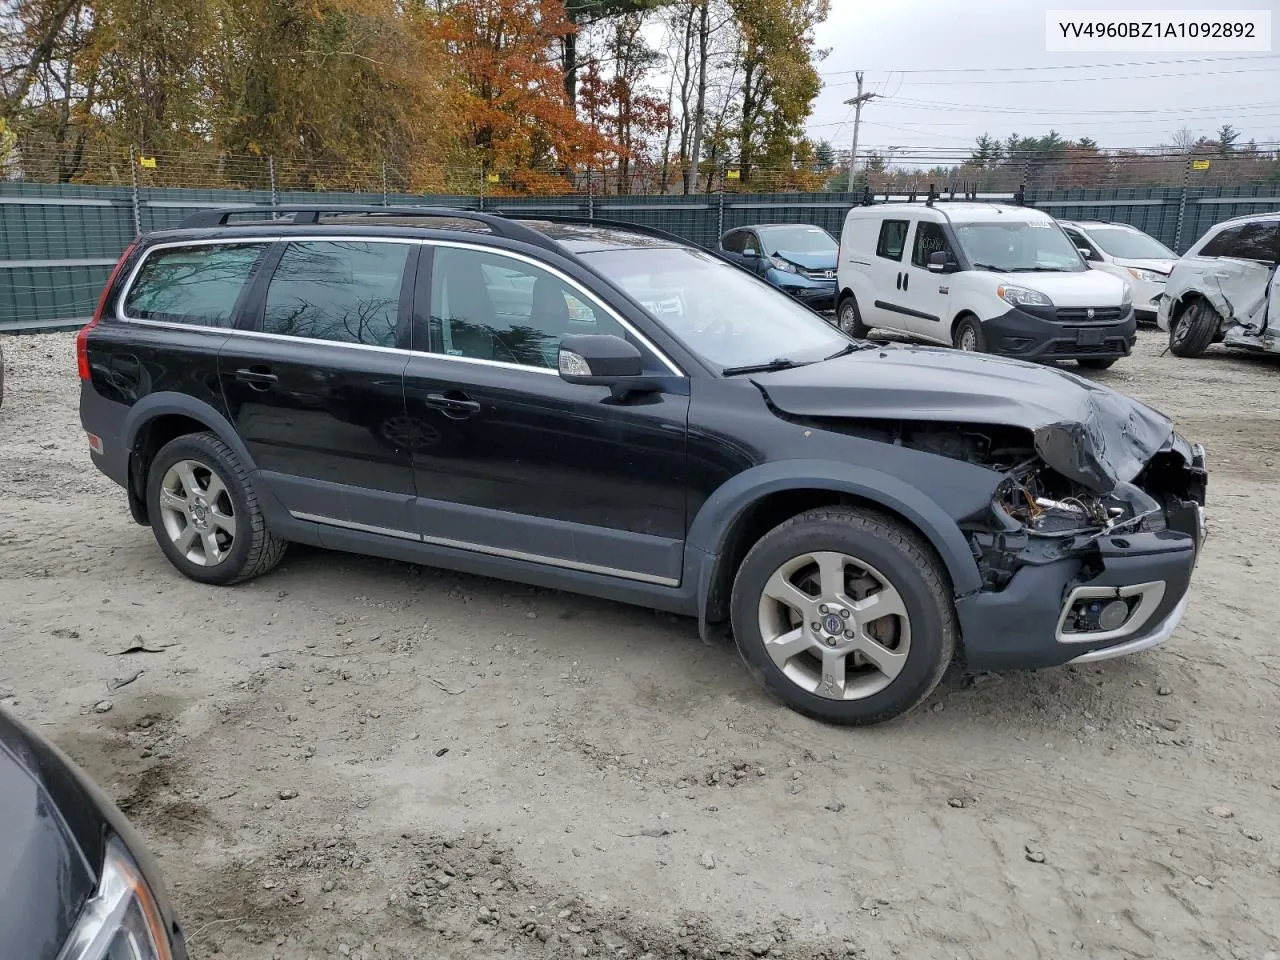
(1113, 615)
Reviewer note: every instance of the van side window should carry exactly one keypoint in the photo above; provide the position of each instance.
(929, 239)
(893, 238)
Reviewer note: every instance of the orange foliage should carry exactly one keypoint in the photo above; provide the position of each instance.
(510, 91)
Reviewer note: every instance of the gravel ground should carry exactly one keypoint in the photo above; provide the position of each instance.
(365, 759)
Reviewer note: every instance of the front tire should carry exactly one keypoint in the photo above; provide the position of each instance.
(205, 514)
(849, 318)
(968, 336)
(1193, 329)
(845, 615)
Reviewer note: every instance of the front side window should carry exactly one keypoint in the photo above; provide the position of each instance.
(735, 242)
(720, 312)
(195, 285)
(347, 291)
(929, 240)
(1018, 246)
(487, 306)
(893, 237)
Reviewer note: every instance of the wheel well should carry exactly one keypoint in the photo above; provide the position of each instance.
(845, 294)
(1182, 303)
(960, 316)
(153, 435)
(761, 517)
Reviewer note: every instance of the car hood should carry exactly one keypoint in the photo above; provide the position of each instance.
(44, 876)
(1088, 288)
(1087, 432)
(810, 261)
(1159, 265)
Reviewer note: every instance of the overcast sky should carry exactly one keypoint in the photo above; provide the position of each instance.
(895, 41)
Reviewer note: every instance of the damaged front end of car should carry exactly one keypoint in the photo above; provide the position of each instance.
(1105, 561)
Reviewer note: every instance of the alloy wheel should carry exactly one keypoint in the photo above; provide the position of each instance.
(834, 625)
(197, 512)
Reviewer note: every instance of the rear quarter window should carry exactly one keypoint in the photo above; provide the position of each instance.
(892, 240)
(194, 285)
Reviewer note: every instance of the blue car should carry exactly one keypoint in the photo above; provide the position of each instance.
(798, 258)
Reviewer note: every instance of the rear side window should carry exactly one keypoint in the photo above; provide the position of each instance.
(1249, 241)
(893, 237)
(195, 285)
(347, 291)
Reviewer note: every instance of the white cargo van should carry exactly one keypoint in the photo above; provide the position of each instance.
(989, 277)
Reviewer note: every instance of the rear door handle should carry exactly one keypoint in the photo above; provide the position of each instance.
(257, 377)
(905, 278)
(454, 404)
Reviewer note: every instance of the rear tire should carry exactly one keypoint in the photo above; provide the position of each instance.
(968, 336)
(1096, 363)
(1194, 329)
(849, 318)
(205, 514)
(804, 611)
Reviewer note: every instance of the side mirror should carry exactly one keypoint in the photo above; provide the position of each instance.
(598, 359)
(1087, 253)
(940, 262)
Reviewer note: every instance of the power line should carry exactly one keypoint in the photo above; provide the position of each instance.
(1063, 66)
(1006, 83)
(941, 105)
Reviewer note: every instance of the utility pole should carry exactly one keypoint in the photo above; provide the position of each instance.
(856, 103)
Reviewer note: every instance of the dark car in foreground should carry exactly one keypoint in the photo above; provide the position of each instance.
(76, 883)
(797, 258)
(606, 409)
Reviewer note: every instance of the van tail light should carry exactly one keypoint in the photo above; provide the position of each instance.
(82, 338)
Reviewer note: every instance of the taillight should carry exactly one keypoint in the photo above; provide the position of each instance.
(82, 338)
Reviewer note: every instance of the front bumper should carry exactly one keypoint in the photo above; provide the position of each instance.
(1018, 333)
(820, 294)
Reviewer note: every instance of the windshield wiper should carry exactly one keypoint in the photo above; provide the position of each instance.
(988, 266)
(778, 363)
(849, 348)
(1035, 270)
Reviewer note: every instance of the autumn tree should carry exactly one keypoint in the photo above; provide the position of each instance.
(779, 81)
(616, 99)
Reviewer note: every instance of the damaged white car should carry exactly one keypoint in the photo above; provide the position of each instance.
(1224, 289)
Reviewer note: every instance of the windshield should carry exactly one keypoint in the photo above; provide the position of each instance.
(719, 311)
(1015, 246)
(1130, 244)
(797, 240)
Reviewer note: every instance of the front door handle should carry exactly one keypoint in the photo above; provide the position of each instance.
(257, 377)
(454, 404)
(897, 284)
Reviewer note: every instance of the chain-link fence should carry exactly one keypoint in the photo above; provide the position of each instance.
(60, 235)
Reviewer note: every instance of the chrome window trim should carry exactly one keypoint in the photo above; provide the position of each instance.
(487, 550)
(591, 297)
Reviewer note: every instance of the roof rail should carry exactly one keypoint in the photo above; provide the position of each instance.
(618, 224)
(309, 214)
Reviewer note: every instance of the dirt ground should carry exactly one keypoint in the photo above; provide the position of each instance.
(364, 759)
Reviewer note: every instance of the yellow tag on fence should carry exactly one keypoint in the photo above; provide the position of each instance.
(148, 162)
(493, 178)
(733, 175)
(1199, 164)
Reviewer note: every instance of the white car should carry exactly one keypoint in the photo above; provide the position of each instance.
(1224, 289)
(995, 278)
(1128, 253)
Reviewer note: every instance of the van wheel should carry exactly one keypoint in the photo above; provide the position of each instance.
(845, 615)
(1194, 329)
(849, 318)
(968, 336)
(205, 514)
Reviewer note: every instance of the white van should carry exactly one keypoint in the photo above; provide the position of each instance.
(1128, 253)
(989, 277)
